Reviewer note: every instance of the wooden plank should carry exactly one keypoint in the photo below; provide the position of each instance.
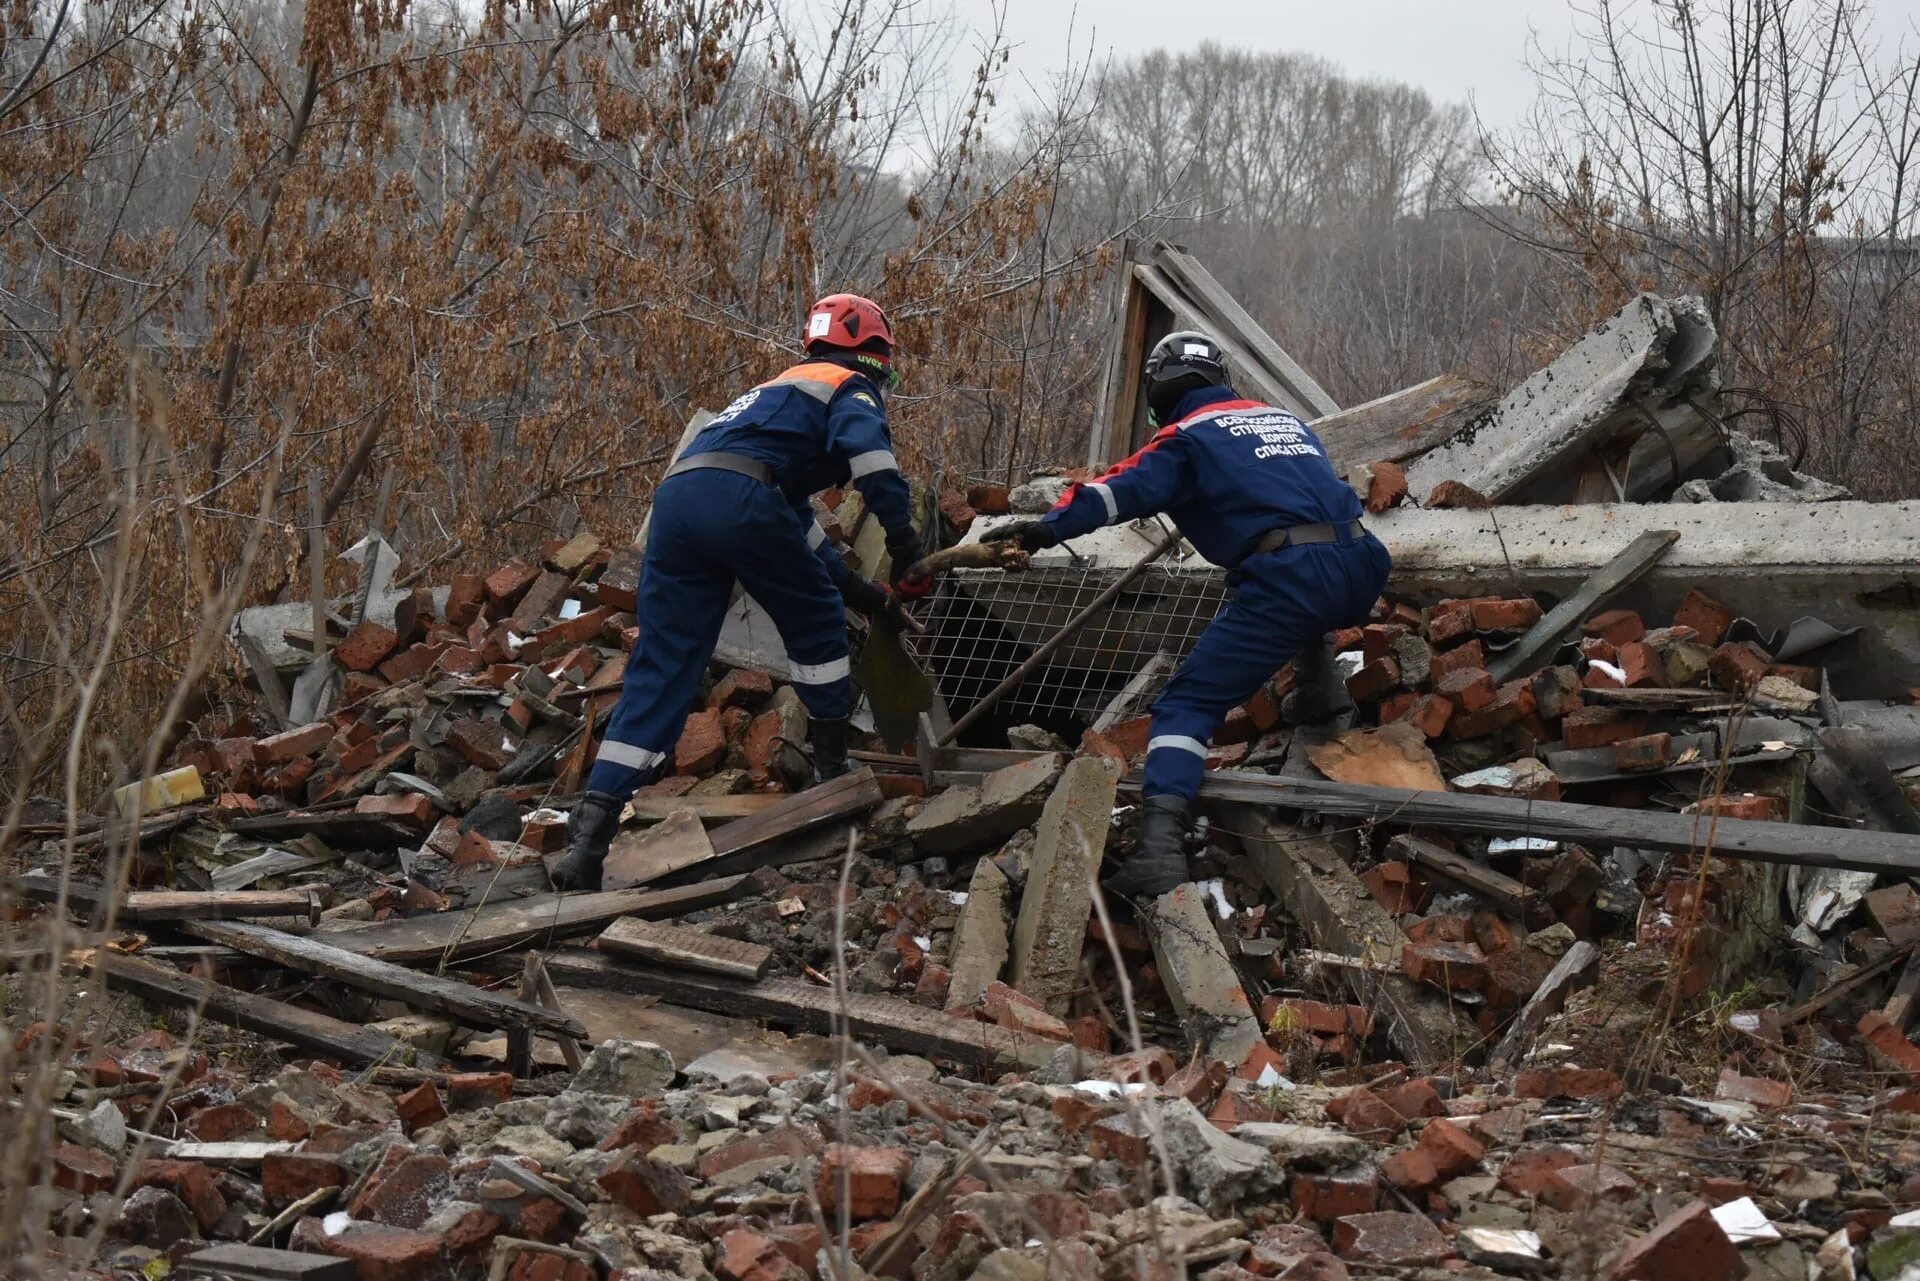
(752, 843)
(709, 809)
(503, 926)
(883, 1020)
(1404, 424)
(571, 1051)
(684, 948)
(1635, 559)
(220, 905)
(460, 1001)
(342, 829)
(1852, 774)
(1308, 874)
(1577, 967)
(1840, 989)
(311, 1031)
(1595, 825)
(256, 1263)
(1228, 323)
(677, 841)
(1516, 899)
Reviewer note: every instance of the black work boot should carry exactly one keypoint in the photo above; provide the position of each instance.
(1319, 695)
(1159, 860)
(829, 737)
(590, 830)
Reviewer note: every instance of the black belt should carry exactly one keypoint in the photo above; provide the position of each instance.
(740, 463)
(1299, 535)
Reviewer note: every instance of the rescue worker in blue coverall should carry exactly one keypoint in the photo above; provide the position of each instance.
(736, 507)
(1251, 488)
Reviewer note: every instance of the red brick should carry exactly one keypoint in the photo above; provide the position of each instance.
(1505, 615)
(1284, 1014)
(482, 743)
(1689, 1244)
(1529, 1172)
(471, 1091)
(1431, 714)
(459, 660)
(542, 599)
(307, 740)
(1738, 665)
(404, 1197)
(645, 1186)
(1600, 726)
(81, 1170)
(1411, 1170)
(1746, 805)
(285, 1177)
(1642, 664)
(742, 687)
(506, 585)
(1446, 928)
(1120, 1137)
(1367, 1113)
(415, 660)
(643, 1129)
(618, 586)
(1800, 674)
(583, 626)
(1374, 681)
(1708, 618)
(1757, 1090)
(1617, 627)
(1326, 1197)
(1648, 752)
(1264, 709)
(1458, 659)
(989, 500)
(872, 1177)
(1395, 707)
(420, 1107)
(1456, 494)
(465, 596)
(747, 1256)
(366, 646)
(1888, 1046)
(702, 743)
(1124, 742)
(1450, 620)
(1453, 1150)
(192, 1182)
(1578, 1187)
(1566, 1083)
(1149, 1066)
(1395, 886)
(1458, 967)
(1376, 640)
(411, 808)
(1386, 487)
(381, 1253)
(1468, 690)
(224, 1122)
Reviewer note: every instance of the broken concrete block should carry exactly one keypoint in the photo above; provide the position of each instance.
(1218, 1171)
(980, 942)
(963, 819)
(1200, 977)
(1052, 925)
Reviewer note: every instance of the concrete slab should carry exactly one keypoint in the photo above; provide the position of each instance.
(980, 941)
(1206, 990)
(1051, 929)
(963, 819)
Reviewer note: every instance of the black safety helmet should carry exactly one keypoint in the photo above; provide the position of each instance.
(1178, 364)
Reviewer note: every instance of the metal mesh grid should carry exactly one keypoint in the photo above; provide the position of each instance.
(985, 623)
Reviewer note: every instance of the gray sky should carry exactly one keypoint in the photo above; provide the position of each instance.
(1457, 50)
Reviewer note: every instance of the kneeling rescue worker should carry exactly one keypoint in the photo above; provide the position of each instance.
(1251, 488)
(736, 507)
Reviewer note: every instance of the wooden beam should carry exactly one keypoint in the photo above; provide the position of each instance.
(883, 1020)
(311, 1031)
(176, 905)
(460, 1001)
(1635, 559)
(679, 947)
(1840, 989)
(1596, 825)
(1577, 967)
(708, 809)
(1516, 899)
(752, 843)
(502, 927)
(637, 858)
(1404, 424)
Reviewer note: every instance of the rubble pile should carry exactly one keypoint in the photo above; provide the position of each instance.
(1587, 949)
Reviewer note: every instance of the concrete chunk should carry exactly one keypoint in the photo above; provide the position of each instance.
(1200, 977)
(962, 819)
(1052, 926)
(980, 942)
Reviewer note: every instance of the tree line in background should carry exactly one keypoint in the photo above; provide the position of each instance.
(260, 263)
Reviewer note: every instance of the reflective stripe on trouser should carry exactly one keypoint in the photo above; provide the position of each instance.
(709, 528)
(1279, 602)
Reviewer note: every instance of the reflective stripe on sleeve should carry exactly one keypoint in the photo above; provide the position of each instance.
(821, 673)
(816, 536)
(627, 754)
(1106, 496)
(870, 462)
(1177, 743)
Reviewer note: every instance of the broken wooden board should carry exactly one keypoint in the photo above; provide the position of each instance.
(232, 1262)
(635, 858)
(1306, 871)
(1577, 967)
(1608, 581)
(709, 809)
(311, 1031)
(175, 905)
(503, 926)
(753, 843)
(1596, 825)
(1841, 989)
(898, 1025)
(1510, 895)
(461, 1001)
(683, 948)
(1404, 424)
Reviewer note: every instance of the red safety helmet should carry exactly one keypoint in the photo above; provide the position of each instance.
(850, 323)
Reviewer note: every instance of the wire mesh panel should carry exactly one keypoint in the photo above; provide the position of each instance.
(985, 623)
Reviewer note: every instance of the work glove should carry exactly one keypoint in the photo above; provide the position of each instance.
(875, 600)
(1032, 535)
(903, 553)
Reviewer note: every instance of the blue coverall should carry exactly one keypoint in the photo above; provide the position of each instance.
(1227, 471)
(816, 426)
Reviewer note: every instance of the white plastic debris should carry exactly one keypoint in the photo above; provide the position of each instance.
(1349, 663)
(957, 897)
(923, 942)
(1743, 1222)
(1521, 845)
(1516, 1243)
(1111, 1089)
(569, 608)
(336, 1223)
(1216, 892)
(1601, 664)
(1270, 1079)
(1907, 1219)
